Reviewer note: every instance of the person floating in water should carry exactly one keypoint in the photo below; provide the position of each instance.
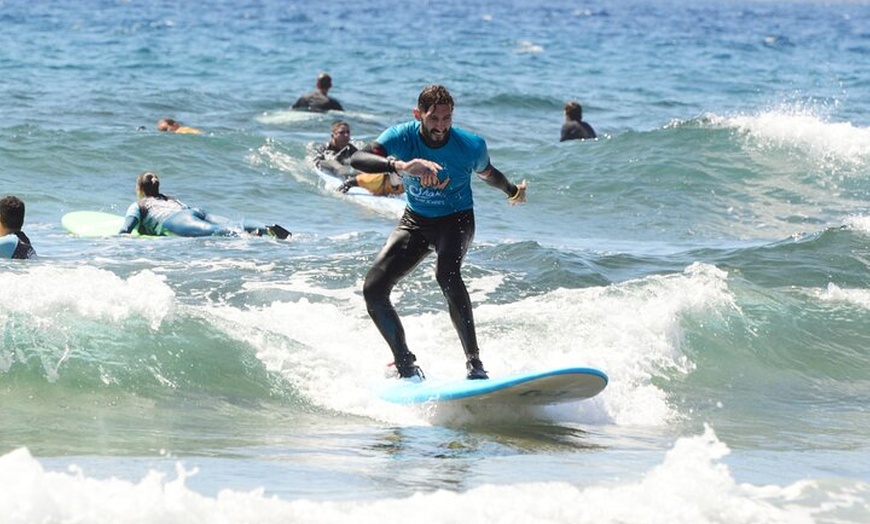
(334, 158)
(574, 128)
(13, 242)
(157, 214)
(437, 161)
(173, 126)
(318, 100)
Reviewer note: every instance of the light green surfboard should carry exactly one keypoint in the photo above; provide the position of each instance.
(92, 223)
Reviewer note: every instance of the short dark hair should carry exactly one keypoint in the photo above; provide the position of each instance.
(434, 95)
(574, 110)
(149, 183)
(324, 80)
(339, 123)
(12, 212)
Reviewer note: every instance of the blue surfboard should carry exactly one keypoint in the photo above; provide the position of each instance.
(532, 389)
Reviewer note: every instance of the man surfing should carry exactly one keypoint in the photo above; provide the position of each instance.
(436, 161)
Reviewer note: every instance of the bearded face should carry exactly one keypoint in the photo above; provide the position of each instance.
(435, 124)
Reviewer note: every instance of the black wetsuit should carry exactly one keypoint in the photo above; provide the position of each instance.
(317, 101)
(412, 240)
(24, 250)
(576, 130)
(335, 162)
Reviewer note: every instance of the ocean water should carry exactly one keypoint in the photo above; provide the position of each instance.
(709, 252)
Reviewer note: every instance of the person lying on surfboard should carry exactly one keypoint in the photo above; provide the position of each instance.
(13, 242)
(157, 214)
(436, 161)
(334, 158)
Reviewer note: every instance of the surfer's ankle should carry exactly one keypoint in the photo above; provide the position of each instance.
(411, 371)
(475, 369)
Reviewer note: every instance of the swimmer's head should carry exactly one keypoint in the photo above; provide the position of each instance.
(168, 124)
(324, 81)
(574, 110)
(11, 213)
(340, 133)
(148, 184)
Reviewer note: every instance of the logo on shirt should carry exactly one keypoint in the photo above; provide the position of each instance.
(429, 195)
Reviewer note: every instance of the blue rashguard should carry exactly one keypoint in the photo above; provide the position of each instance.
(16, 245)
(463, 154)
(8, 243)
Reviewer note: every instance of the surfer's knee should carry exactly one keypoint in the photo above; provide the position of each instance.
(375, 291)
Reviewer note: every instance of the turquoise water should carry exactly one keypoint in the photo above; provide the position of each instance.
(709, 252)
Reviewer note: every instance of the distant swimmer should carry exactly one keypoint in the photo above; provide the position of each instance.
(334, 158)
(173, 126)
(319, 100)
(13, 242)
(157, 214)
(574, 127)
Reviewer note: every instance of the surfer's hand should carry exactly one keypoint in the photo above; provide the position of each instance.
(520, 196)
(425, 170)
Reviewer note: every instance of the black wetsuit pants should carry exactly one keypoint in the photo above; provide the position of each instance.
(413, 239)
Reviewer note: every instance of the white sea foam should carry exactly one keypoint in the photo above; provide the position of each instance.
(96, 294)
(834, 293)
(691, 485)
(632, 331)
(859, 223)
(805, 128)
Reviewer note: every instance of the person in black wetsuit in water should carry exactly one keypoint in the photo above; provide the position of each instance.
(574, 128)
(319, 99)
(437, 161)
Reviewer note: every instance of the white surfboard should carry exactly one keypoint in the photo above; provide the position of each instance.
(93, 223)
